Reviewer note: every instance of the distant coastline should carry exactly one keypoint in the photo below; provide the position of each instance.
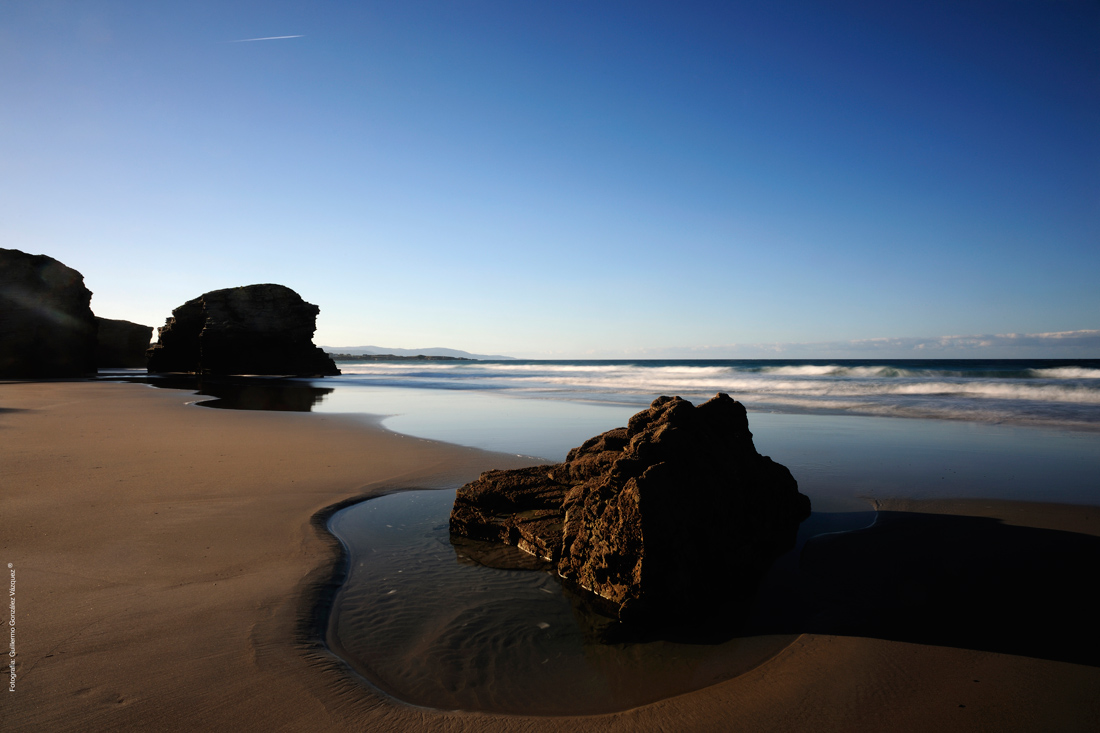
(395, 357)
(392, 352)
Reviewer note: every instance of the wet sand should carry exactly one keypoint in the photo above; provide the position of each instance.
(170, 565)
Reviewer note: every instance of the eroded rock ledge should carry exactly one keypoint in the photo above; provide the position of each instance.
(674, 513)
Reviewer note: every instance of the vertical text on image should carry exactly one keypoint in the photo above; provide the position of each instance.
(11, 633)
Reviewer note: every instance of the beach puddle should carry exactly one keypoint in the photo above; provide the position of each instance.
(433, 624)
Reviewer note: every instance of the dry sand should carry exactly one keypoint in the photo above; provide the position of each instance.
(168, 562)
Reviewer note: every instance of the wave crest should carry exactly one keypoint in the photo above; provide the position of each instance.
(939, 389)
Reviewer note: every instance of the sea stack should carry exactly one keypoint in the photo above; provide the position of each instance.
(46, 324)
(255, 329)
(122, 343)
(671, 517)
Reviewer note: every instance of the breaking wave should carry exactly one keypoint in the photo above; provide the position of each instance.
(1001, 391)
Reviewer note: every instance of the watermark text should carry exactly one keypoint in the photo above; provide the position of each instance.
(11, 629)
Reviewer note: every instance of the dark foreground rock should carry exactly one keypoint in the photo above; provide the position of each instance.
(256, 329)
(670, 517)
(46, 324)
(122, 343)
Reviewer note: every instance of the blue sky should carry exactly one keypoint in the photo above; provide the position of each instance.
(557, 179)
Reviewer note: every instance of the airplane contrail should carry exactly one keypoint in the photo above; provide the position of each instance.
(268, 38)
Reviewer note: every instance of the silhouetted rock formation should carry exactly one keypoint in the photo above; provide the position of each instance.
(46, 325)
(122, 343)
(670, 516)
(256, 329)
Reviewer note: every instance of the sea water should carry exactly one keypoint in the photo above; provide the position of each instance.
(1058, 392)
(848, 430)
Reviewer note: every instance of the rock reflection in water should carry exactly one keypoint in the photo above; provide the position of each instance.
(596, 621)
(243, 393)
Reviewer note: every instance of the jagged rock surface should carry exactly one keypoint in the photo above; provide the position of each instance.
(521, 507)
(122, 343)
(256, 329)
(46, 324)
(674, 513)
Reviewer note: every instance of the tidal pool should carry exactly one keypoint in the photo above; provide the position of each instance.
(444, 625)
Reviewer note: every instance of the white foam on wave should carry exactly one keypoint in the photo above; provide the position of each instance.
(1003, 391)
(963, 388)
(553, 367)
(830, 370)
(830, 382)
(1067, 373)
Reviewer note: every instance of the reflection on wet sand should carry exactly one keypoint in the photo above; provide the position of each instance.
(242, 393)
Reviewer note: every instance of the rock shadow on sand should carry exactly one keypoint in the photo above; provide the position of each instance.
(946, 580)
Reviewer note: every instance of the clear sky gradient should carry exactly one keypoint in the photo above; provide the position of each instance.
(570, 180)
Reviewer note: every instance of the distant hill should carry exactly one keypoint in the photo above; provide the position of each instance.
(435, 351)
(394, 357)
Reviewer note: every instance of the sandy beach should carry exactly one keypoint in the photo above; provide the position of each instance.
(170, 562)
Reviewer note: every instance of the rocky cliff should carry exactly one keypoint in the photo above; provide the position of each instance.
(46, 324)
(670, 516)
(122, 343)
(256, 329)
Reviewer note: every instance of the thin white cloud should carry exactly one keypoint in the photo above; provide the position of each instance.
(267, 38)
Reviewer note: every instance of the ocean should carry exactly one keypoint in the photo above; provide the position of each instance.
(1025, 430)
(849, 431)
(1048, 392)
